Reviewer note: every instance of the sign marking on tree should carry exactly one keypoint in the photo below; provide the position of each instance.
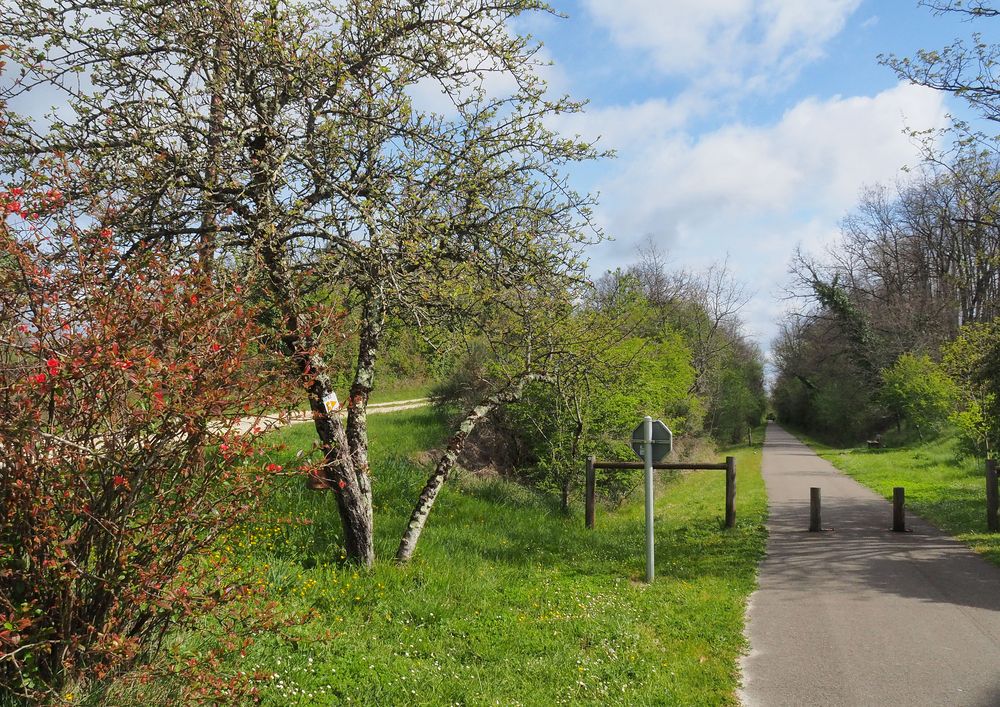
(330, 403)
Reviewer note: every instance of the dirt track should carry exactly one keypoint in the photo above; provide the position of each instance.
(269, 422)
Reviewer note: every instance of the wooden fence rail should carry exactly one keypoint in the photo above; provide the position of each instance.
(992, 497)
(729, 466)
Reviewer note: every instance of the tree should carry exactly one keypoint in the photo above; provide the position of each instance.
(526, 342)
(966, 70)
(918, 389)
(281, 139)
(971, 360)
(605, 377)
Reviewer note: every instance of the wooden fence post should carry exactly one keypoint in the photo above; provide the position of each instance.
(730, 492)
(898, 509)
(590, 493)
(815, 510)
(992, 496)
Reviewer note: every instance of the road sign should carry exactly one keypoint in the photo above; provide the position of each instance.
(663, 440)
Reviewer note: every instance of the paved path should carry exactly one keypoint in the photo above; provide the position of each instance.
(269, 422)
(859, 615)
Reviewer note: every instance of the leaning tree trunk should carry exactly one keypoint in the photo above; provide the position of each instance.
(448, 460)
(216, 119)
(351, 486)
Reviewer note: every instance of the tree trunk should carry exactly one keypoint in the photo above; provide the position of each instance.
(573, 452)
(448, 460)
(216, 118)
(372, 325)
(351, 486)
(373, 321)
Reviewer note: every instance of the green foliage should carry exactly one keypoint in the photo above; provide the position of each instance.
(822, 393)
(738, 401)
(972, 361)
(855, 324)
(562, 425)
(918, 389)
(635, 344)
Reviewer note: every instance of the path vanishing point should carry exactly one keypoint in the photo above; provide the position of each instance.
(857, 614)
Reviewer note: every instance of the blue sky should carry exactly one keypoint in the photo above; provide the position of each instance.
(742, 127)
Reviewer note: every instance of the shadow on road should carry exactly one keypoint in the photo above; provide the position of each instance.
(923, 564)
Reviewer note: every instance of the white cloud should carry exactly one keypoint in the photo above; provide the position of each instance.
(757, 191)
(725, 43)
(624, 127)
(816, 157)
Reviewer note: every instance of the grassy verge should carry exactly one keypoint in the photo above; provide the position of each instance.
(507, 601)
(408, 391)
(944, 489)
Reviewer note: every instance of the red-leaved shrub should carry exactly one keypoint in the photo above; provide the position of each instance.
(126, 382)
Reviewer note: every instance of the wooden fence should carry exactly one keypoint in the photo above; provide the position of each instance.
(729, 466)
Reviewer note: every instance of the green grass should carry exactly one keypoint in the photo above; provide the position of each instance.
(944, 489)
(507, 600)
(404, 391)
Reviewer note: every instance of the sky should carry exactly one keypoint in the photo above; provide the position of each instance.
(743, 128)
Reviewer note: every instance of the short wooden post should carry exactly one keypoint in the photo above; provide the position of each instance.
(992, 497)
(815, 524)
(898, 509)
(591, 489)
(730, 492)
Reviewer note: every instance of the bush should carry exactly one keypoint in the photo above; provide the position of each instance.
(919, 390)
(122, 383)
(972, 360)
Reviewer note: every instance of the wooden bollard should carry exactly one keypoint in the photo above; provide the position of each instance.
(591, 490)
(815, 524)
(730, 492)
(992, 497)
(898, 509)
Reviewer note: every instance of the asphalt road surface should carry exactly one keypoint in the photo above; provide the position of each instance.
(857, 614)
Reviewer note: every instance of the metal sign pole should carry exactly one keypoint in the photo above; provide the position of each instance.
(648, 437)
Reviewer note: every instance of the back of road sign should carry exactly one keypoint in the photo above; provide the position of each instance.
(663, 440)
